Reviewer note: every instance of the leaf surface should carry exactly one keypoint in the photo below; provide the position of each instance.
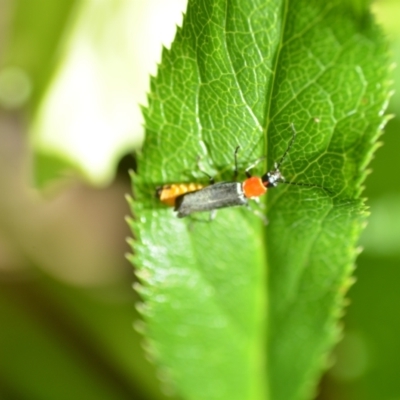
(236, 310)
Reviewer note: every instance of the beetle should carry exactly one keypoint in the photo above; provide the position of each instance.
(189, 198)
(227, 194)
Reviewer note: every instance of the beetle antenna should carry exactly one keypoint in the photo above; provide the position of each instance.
(288, 148)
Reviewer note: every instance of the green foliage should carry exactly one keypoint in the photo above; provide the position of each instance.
(64, 342)
(34, 40)
(235, 310)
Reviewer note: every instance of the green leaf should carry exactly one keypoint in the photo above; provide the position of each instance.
(235, 310)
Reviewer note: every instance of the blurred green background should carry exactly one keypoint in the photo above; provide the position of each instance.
(71, 75)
